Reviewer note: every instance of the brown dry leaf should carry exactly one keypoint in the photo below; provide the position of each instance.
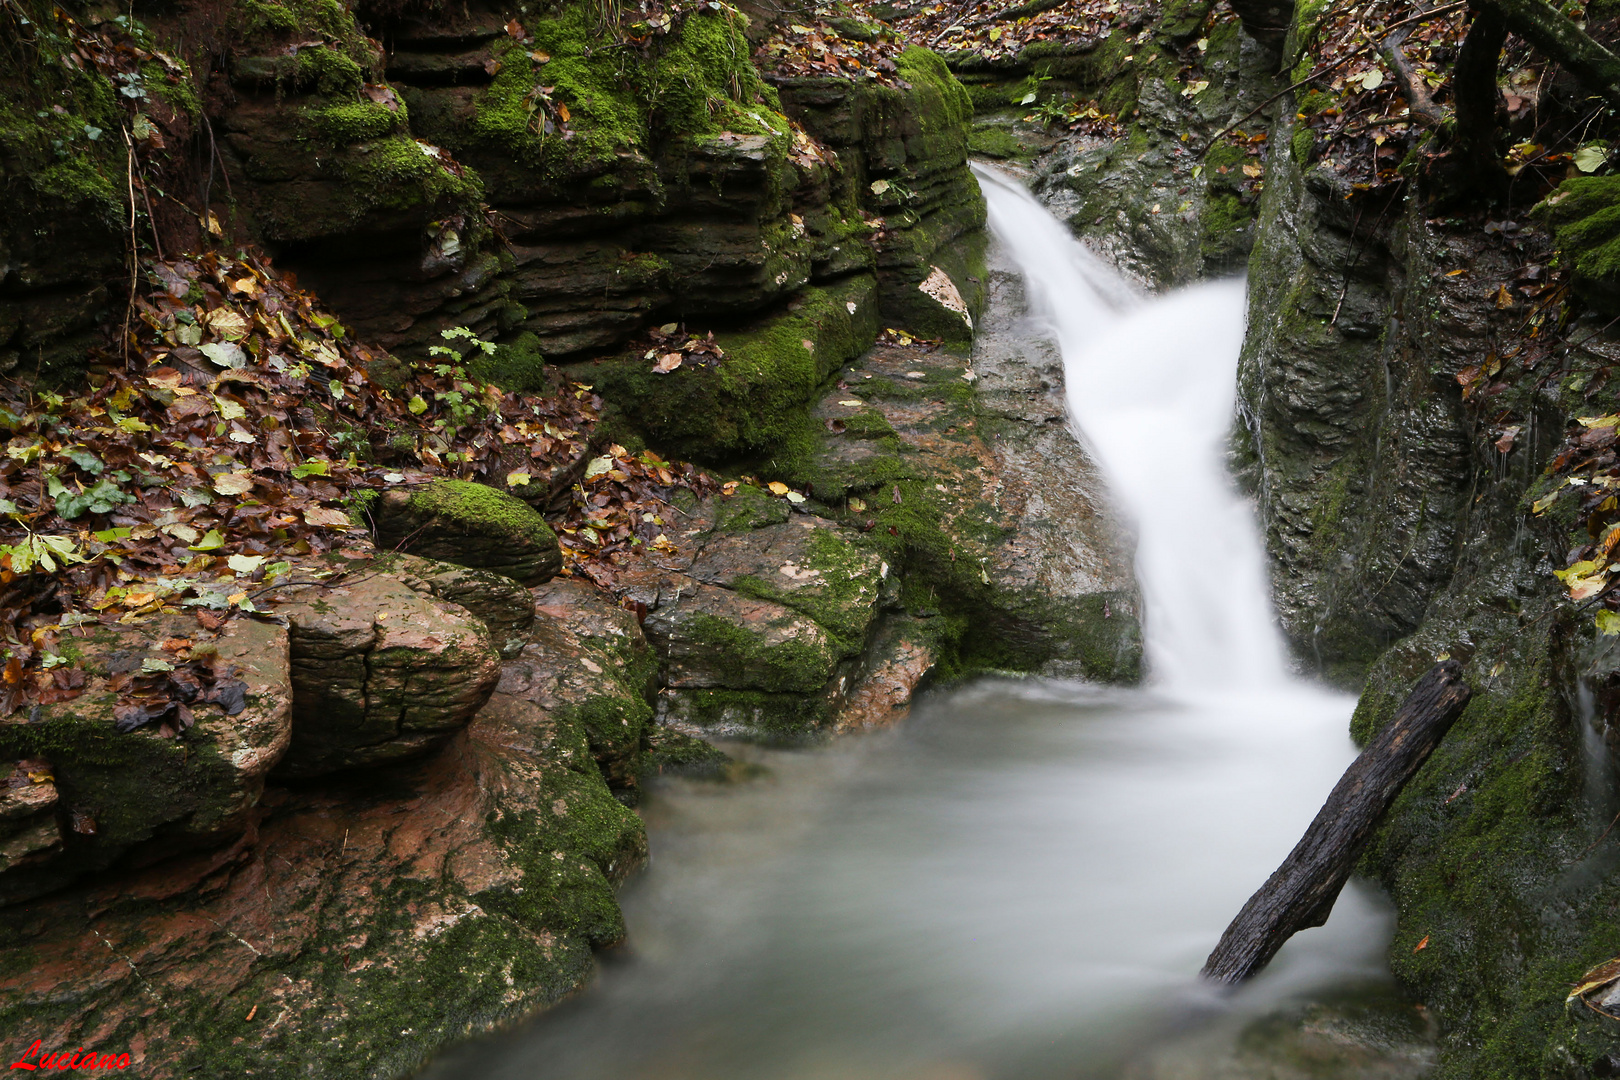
(324, 518)
(667, 363)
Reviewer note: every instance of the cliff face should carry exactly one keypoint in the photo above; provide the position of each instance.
(1400, 408)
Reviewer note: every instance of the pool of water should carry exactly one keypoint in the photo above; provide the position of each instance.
(1020, 882)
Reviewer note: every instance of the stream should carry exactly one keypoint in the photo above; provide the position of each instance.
(1023, 880)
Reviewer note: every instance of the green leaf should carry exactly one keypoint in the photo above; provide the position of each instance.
(418, 405)
(316, 467)
(1608, 622)
(101, 498)
(245, 564)
(1591, 157)
(211, 541)
(85, 460)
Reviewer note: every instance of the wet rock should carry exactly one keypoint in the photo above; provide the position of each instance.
(809, 564)
(380, 672)
(587, 663)
(29, 831)
(982, 501)
(144, 793)
(505, 607)
(471, 525)
(368, 922)
(712, 637)
(895, 665)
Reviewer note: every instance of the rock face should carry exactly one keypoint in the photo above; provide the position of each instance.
(472, 525)
(1357, 435)
(364, 921)
(380, 672)
(84, 790)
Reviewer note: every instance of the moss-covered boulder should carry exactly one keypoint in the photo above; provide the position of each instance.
(130, 778)
(755, 398)
(468, 524)
(1585, 211)
(714, 637)
(808, 564)
(380, 672)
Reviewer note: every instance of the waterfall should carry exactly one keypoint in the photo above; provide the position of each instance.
(1151, 386)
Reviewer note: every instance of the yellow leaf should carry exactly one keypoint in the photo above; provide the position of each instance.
(778, 488)
(325, 518)
(233, 483)
(517, 478)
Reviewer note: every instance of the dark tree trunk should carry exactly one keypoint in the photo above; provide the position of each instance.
(1302, 891)
(1470, 170)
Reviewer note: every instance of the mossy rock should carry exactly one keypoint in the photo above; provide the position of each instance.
(468, 524)
(140, 791)
(756, 397)
(1585, 211)
(749, 507)
(712, 637)
(810, 565)
(587, 663)
(756, 715)
(672, 753)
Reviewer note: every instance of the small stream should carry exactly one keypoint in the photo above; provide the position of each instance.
(1022, 882)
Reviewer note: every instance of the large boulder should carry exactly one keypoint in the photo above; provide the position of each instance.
(505, 607)
(165, 750)
(455, 521)
(380, 672)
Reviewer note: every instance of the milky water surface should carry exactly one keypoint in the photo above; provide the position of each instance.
(1024, 880)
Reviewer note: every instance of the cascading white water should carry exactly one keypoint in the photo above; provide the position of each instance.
(1151, 386)
(1023, 882)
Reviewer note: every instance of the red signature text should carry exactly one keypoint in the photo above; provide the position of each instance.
(36, 1058)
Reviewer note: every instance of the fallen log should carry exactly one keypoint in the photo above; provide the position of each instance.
(1300, 894)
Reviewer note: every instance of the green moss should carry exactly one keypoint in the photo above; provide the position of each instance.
(1302, 146)
(748, 508)
(996, 142)
(844, 600)
(796, 666)
(343, 122)
(672, 753)
(696, 81)
(481, 509)
(516, 366)
(757, 396)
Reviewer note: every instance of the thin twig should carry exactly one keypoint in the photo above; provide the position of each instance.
(134, 250)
